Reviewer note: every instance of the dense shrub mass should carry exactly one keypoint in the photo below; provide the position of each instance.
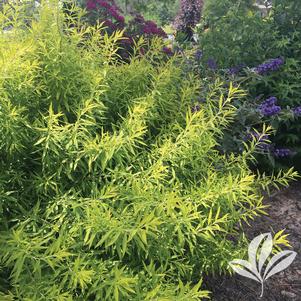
(111, 187)
(261, 53)
(161, 11)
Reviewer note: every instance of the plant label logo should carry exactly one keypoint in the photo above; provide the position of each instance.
(261, 266)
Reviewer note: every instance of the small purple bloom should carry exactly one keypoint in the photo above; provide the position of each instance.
(271, 101)
(270, 111)
(258, 136)
(270, 65)
(195, 108)
(297, 111)
(167, 51)
(282, 152)
(269, 107)
(212, 64)
(198, 55)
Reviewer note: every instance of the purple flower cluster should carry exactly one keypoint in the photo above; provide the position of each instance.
(258, 136)
(198, 55)
(168, 51)
(139, 26)
(189, 15)
(109, 13)
(297, 111)
(269, 107)
(282, 152)
(151, 28)
(195, 108)
(212, 64)
(91, 5)
(270, 65)
(266, 147)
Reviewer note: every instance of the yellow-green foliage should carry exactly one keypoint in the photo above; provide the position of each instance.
(111, 189)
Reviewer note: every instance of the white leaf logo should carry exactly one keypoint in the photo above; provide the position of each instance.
(259, 251)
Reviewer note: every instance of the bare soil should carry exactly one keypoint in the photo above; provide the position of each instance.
(284, 213)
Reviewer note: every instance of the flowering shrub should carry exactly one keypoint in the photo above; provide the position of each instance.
(188, 17)
(108, 13)
(262, 55)
(111, 189)
(270, 65)
(269, 107)
(139, 26)
(105, 10)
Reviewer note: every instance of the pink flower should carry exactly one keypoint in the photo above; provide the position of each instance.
(120, 19)
(91, 5)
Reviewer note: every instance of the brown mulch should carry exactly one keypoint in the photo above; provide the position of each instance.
(284, 213)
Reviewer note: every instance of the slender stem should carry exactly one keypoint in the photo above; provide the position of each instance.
(261, 289)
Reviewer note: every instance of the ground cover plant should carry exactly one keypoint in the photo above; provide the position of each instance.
(112, 187)
(261, 54)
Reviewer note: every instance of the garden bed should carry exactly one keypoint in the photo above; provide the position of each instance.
(284, 213)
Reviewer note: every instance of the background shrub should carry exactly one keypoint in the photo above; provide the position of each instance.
(188, 17)
(109, 14)
(262, 55)
(161, 11)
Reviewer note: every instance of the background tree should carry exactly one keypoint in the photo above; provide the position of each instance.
(163, 12)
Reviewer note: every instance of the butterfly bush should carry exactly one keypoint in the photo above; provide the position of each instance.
(271, 110)
(270, 65)
(139, 26)
(282, 152)
(106, 11)
(265, 146)
(188, 16)
(198, 55)
(297, 111)
(269, 107)
(263, 141)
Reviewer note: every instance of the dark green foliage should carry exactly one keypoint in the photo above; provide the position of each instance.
(214, 11)
(161, 11)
